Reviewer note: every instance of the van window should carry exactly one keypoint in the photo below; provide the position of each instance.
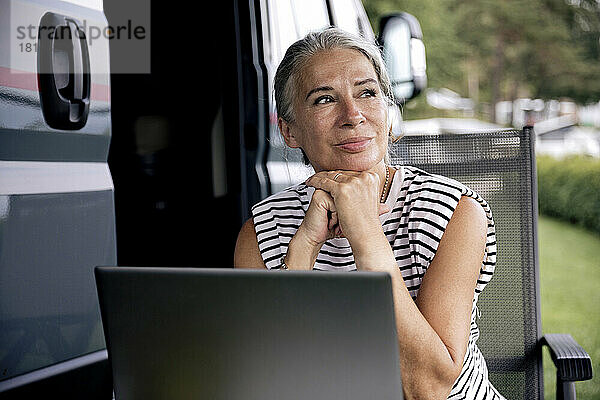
(290, 20)
(311, 15)
(282, 27)
(351, 17)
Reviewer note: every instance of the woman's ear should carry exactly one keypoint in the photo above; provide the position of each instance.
(287, 132)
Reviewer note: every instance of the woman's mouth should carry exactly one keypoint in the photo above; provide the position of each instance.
(355, 145)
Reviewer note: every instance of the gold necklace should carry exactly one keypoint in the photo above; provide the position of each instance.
(387, 179)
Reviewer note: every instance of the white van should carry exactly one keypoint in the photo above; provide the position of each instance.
(154, 168)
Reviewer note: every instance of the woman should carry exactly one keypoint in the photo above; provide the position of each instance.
(434, 236)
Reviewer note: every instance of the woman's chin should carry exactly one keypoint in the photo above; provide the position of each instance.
(355, 162)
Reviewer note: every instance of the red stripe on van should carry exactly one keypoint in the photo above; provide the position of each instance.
(18, 79)
(100, 92)
(28, 81)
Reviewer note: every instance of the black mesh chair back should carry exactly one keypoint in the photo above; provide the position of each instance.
(500, 166)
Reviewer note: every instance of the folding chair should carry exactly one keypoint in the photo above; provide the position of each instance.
(500, 166)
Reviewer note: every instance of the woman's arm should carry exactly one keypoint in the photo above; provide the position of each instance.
(433, 333)
(247, 254)
(315, 229)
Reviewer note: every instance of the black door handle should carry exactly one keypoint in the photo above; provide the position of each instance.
(63, 72)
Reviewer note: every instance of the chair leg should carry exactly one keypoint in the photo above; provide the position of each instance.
(565, 390)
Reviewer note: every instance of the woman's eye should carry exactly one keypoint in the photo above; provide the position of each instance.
(368, 93)
(323, 99)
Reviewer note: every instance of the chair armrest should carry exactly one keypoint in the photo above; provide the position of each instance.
(572, 362)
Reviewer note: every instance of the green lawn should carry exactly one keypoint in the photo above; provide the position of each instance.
(570, 295)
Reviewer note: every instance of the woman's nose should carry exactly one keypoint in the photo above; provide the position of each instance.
(351, 113)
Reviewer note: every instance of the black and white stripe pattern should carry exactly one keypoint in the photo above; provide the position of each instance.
(421, 206)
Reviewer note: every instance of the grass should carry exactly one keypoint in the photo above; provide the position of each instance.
(570, 295)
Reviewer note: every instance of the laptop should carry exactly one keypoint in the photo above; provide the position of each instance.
(202, 333)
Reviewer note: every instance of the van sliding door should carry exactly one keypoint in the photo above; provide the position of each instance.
(56, 199)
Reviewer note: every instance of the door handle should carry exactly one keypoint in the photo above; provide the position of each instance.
(77, 61)
(63, 72)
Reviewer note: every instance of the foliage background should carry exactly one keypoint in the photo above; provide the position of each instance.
(569, 189)
(492, 50)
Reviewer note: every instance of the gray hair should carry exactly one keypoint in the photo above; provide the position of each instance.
(301, 51)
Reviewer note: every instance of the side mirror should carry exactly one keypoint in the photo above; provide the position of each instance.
(404, 55)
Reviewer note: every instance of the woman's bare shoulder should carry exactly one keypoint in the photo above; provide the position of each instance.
(247, 254)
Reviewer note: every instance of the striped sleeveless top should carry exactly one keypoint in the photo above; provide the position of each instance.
(421, 205)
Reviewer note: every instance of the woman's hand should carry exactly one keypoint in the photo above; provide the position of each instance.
(347, 205)
(323, 220)
(320, 222)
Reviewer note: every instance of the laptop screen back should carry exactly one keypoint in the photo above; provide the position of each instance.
(247, 334)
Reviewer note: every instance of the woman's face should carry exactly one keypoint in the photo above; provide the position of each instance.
(340, 115)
